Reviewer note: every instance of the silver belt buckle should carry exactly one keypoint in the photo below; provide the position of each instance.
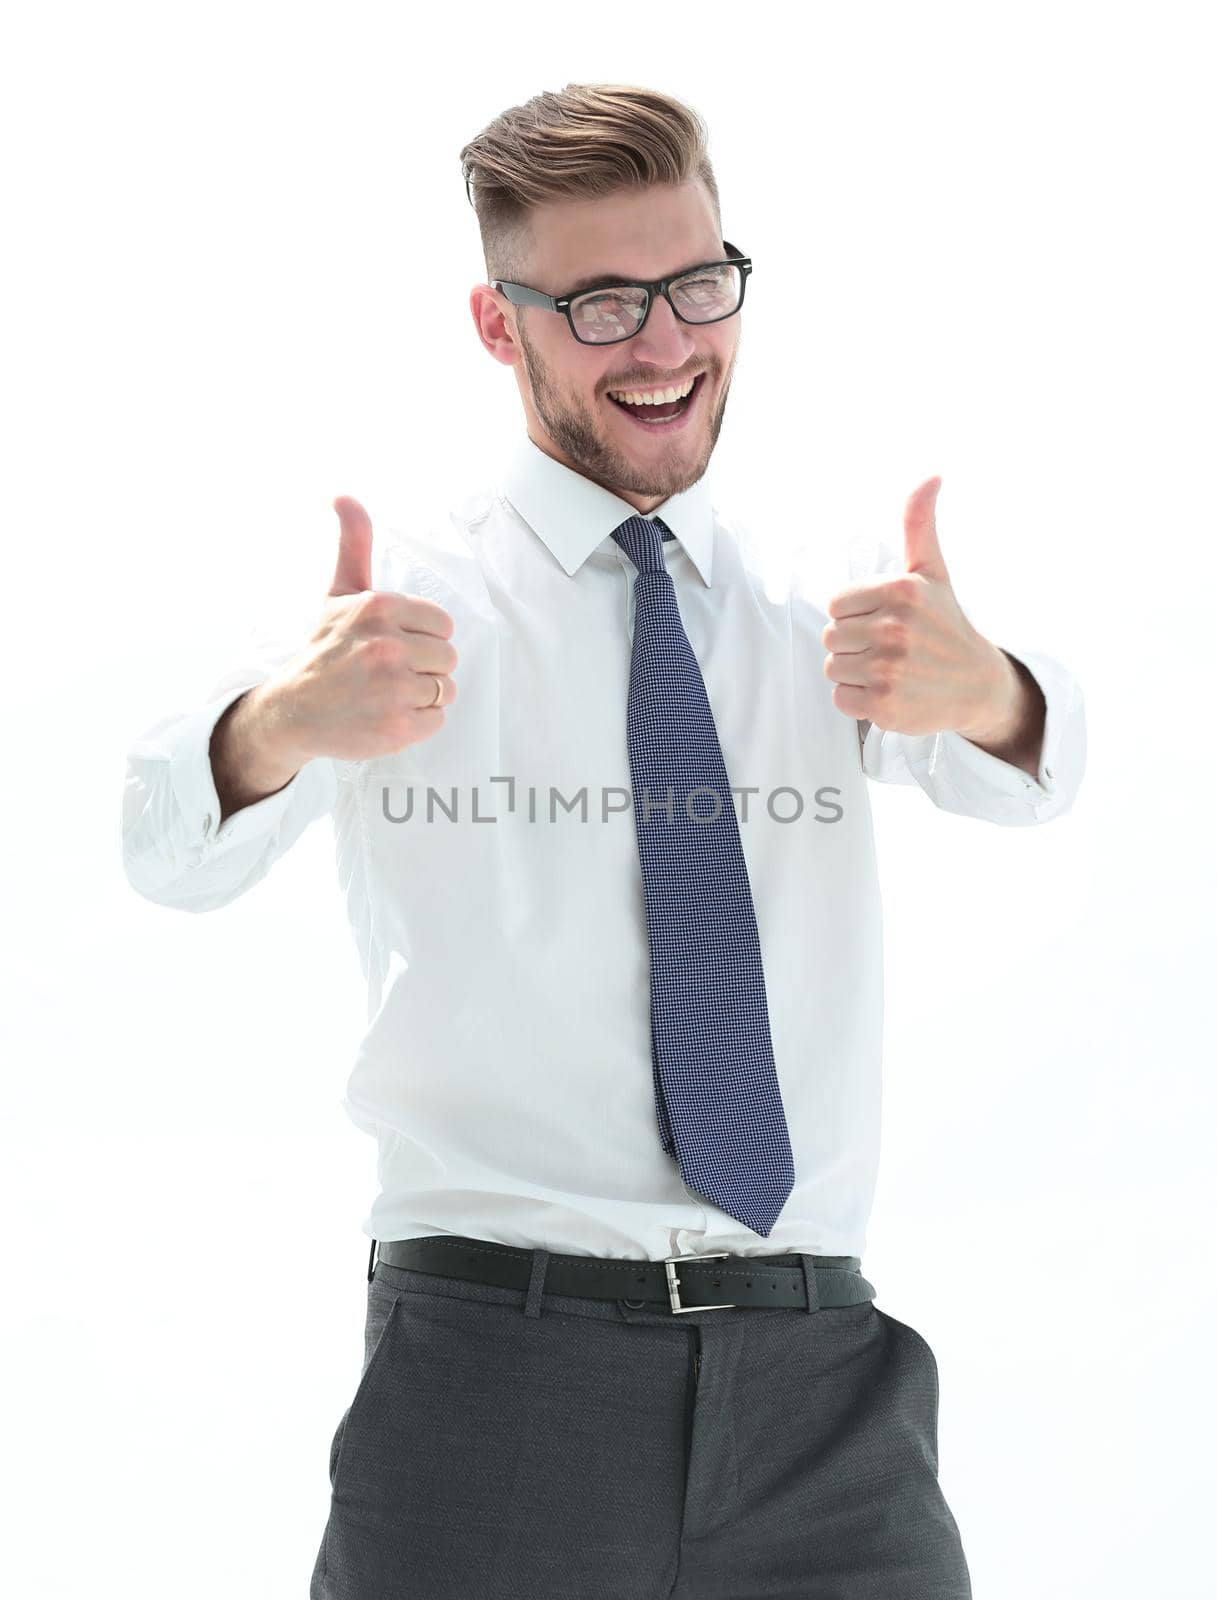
(674, 1286)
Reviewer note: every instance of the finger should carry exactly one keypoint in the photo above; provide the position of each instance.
(412, 614)
(353, 573)
(857, 599)
(852, 701)
(853, 633)
(859, 670)
(922, 550)
(425, 652)
(426, 682)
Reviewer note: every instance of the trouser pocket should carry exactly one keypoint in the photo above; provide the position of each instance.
(382, 1304)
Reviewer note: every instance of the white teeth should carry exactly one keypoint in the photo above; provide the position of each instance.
(656, 397)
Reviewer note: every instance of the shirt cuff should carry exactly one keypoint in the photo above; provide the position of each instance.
(193, 783)
(1051, 791)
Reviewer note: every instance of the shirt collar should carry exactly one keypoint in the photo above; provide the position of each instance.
(573, 516)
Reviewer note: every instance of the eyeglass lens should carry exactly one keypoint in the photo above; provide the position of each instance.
(602, 316)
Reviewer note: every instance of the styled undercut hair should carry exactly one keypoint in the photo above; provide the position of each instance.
(584, 142)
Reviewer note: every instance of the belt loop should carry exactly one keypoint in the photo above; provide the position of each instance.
(371, 1260)
(536, 1282)
(809, 1278)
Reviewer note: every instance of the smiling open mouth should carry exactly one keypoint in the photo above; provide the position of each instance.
(666, 418)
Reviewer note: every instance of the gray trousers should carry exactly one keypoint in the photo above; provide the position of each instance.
(602, 1452)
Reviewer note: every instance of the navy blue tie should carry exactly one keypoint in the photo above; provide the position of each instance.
(716, 1089)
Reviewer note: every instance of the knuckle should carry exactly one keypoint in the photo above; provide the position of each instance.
(432, 618)
(895, 633)
(376, 605)
(403, 731)
(380, 649)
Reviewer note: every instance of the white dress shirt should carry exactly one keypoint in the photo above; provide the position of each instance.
(506, 1068)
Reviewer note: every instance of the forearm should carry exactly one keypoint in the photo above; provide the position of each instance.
(250, 758)
(1014, 730)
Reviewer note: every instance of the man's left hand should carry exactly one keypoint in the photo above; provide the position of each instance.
(904, 656)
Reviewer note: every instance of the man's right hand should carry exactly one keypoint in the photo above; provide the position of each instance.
(364, 685)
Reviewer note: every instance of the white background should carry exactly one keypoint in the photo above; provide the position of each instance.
(237, 266)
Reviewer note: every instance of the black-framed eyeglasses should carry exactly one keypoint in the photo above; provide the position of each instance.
(708, 293)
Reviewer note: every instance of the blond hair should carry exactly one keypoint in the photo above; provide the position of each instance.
(586, 141)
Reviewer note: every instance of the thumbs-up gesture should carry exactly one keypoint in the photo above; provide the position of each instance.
(376, 674)
(904, 656)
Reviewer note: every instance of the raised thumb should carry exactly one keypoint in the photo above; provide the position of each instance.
(353, 574)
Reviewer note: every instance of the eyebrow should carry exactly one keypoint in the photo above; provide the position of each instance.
(606, 280)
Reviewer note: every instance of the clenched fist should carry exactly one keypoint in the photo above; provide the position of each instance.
(365, 684)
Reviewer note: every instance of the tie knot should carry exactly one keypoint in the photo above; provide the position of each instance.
(642, 540)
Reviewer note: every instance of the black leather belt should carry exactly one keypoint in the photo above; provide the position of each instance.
(678, 1283)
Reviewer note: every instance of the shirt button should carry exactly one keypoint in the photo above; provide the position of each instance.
(207, 822)
(1047, 772)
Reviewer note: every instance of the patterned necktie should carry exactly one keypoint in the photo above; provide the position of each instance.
(716, 1090)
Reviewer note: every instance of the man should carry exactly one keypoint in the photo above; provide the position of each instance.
(623, 1056)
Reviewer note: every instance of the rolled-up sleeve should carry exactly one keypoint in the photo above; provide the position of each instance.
(175, 850)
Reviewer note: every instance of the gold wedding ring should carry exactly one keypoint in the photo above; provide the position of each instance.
(439, 693)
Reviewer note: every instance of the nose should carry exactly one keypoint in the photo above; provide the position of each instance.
(665, 341)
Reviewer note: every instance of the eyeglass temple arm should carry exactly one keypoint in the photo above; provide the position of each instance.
(520, 296)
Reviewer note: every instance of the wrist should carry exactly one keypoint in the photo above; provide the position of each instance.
(999, 711)
(1013, 726)
(264, 736)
